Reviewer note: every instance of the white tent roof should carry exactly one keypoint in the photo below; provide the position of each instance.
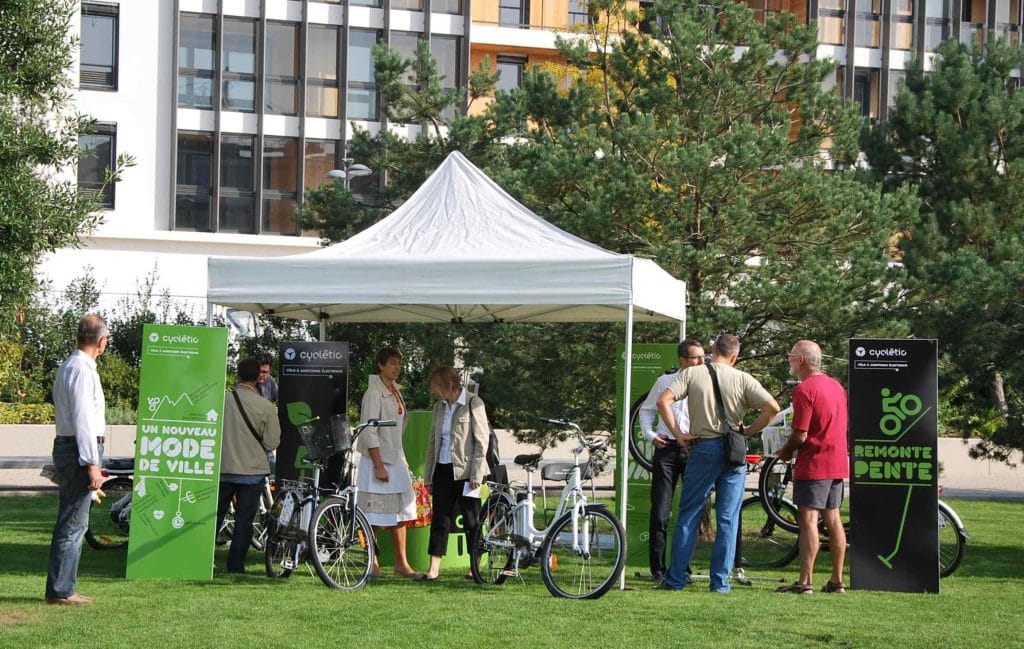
(459, 249)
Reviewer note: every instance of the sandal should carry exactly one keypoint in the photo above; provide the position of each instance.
(837, 587)
(796, 588)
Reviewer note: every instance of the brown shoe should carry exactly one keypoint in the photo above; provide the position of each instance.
(73, 600)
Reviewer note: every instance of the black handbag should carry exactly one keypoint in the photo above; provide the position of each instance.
(735, 440)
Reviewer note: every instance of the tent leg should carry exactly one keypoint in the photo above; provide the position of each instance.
(624, 442)
(682, 325)
(323, 330)
(209, 314)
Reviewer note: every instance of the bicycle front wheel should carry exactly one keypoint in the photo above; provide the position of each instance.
(109, 520)
(763, 543)
(952, 542)
(492, 549)
(341, 541)
(775, 487)
(586, 566)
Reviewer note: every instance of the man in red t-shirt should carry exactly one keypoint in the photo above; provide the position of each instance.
(819, 431)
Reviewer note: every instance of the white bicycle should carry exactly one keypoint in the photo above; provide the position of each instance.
(581, 553)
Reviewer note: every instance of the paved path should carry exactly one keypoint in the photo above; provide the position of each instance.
(961, 477)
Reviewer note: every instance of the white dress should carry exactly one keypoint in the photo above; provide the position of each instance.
(386, 504)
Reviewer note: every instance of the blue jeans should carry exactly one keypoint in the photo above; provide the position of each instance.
(247, 504)
(705, 469)
(72, 519)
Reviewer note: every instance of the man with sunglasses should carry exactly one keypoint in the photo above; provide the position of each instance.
(669, 461)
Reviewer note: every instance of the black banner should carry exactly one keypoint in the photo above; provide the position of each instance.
(313, 383)
(894, 544)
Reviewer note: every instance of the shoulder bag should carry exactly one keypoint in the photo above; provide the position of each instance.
(735, 440)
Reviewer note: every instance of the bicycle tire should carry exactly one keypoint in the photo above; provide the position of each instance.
(640, 448)
(775, 488)
(280, 543)
(952, 541)
(109, 520)
(568, 573)
(764, 544)
(492, 551)
(341, 544)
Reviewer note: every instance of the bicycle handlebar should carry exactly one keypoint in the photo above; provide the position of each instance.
(565, 423)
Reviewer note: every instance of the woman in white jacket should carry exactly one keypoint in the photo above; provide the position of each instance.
(385, 488)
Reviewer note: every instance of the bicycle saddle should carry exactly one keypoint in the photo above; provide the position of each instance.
(528, 461)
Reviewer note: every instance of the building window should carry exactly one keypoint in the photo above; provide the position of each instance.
(831, 22)
(280, 184)
(1008, 19)
(902, 25)
(514, 13)
(406, 44)
(365, 3)
(447, 51)
(578, 14)
(362, 88)
(865, 93)
(239, 65)
(936, 23)
(412, 5)
(194, 180)
(446, 6)
(869, 23)
(98, 67)
(764, 9)
(322, 72)
(321, 157)
(197, 46)
(897, 79)
(237, 176)
(281, 96)
(97, 154)
(510, 71)
(972, 25)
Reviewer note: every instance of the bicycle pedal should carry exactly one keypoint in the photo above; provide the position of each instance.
(288, 564)
(509, 573)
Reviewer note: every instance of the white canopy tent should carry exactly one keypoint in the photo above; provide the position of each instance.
(459, 250)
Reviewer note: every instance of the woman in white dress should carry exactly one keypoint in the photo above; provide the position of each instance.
(385, 488)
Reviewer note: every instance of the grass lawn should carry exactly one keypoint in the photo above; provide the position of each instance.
(980, 606)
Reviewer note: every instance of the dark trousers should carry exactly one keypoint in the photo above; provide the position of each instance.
(247, 502)
(669, 465)
(447, 497)
(72, 519)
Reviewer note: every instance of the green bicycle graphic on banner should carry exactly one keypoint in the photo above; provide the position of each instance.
(897, 408)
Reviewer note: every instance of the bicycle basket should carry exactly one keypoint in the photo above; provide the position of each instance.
(319, 440)
(340, 431)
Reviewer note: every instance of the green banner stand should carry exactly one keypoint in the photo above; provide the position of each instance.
(650, 361)
(414, 441)
(177, 452)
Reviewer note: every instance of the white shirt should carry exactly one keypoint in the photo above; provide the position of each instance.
(649, 409)
(79, 405)
(444, 456)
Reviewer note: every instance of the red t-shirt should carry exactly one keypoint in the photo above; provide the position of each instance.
(819, 407)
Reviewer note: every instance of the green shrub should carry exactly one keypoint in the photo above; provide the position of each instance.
(26, 413)
(120, 382)
(120, 414)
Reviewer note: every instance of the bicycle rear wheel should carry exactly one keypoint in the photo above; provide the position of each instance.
(341, 543)
(775, 488)
(578, 574)
(492, 550)
(109, 520)
(763, 543)
(952, 542)
(641, 449)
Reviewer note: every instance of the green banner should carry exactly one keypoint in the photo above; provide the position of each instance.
(177, 452)
(650, 361)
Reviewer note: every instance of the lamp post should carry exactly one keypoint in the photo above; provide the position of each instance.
(349, 171)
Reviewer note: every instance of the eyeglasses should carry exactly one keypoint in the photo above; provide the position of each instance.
(693, 358)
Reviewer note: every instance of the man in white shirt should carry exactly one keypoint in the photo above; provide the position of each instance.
(80, 413)
(669, 462)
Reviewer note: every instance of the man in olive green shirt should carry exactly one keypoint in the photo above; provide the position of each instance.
(708, 467)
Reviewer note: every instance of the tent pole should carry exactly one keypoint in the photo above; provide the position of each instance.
(209, 314)
(624, 442)
(323, 330)
(682, 325)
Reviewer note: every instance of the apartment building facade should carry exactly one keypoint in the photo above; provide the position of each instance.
(233, 108)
